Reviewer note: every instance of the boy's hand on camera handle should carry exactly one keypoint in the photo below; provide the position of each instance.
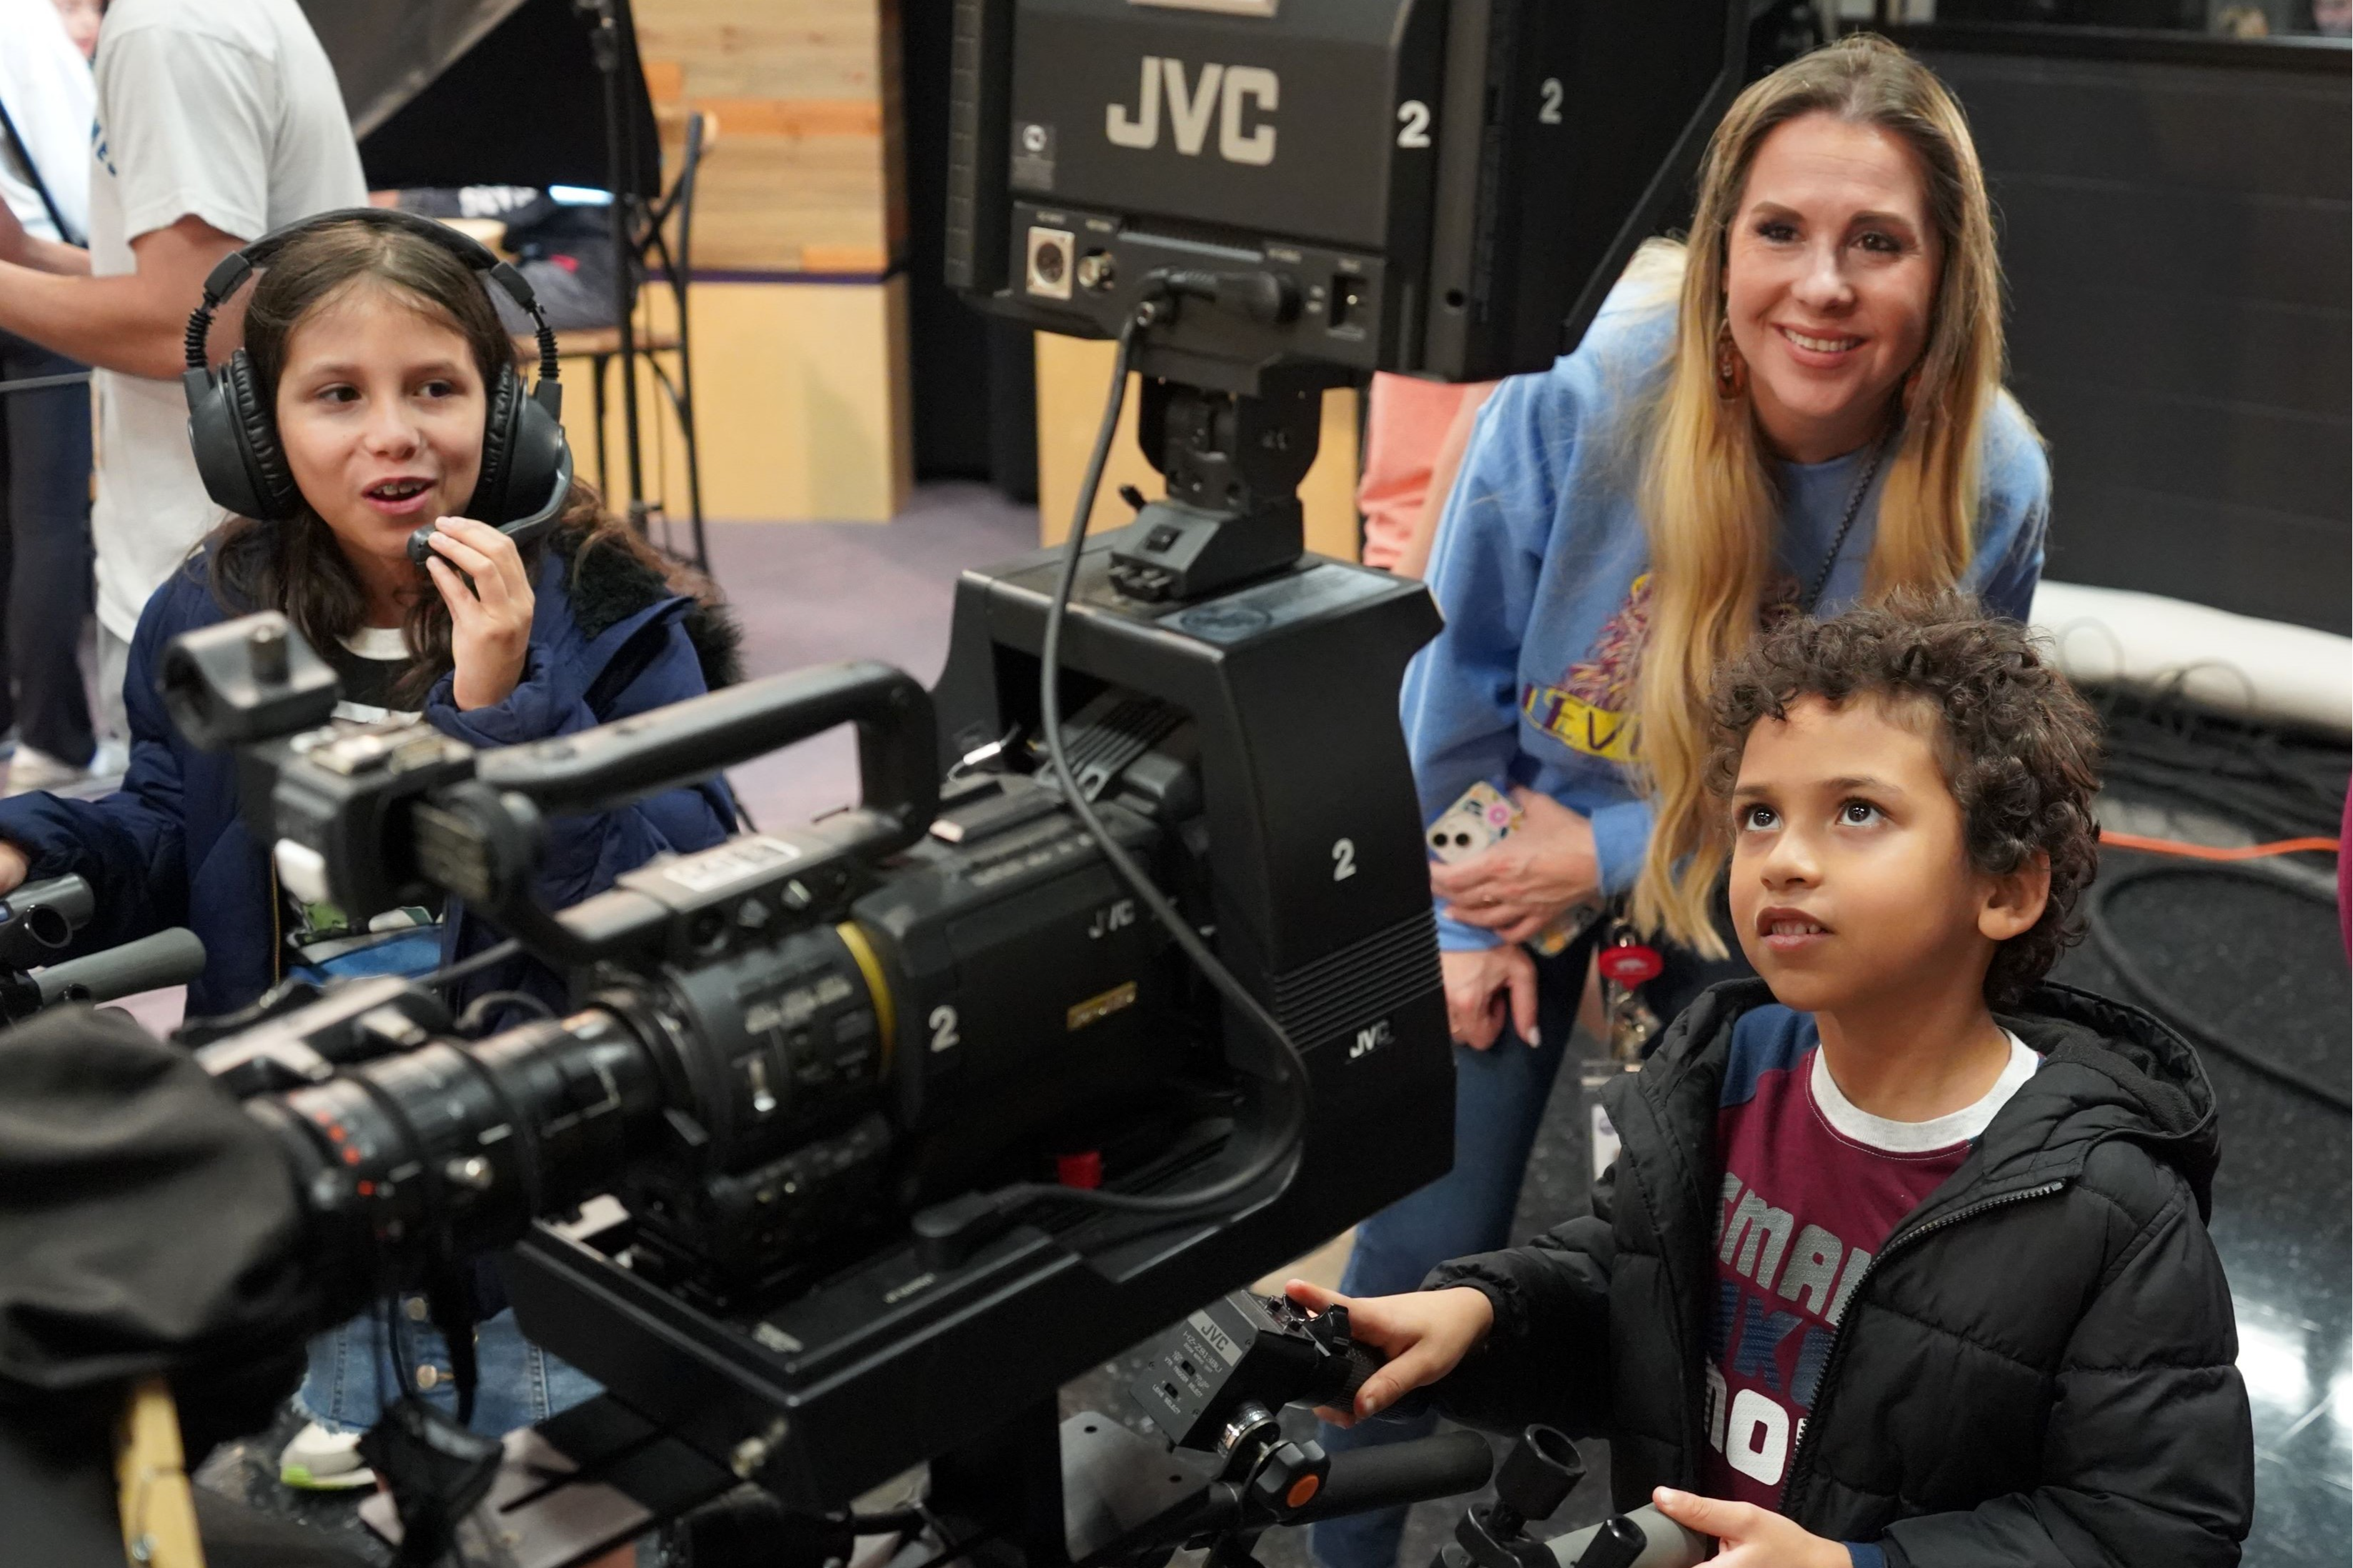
(490, 619)
(1749, 1536)
(14, 867)
(1422, 1335)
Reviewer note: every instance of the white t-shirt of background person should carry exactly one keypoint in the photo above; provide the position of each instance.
(222, 110)
(46, 87)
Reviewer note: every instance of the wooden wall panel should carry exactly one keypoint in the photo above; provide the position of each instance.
(803, 176)
(803, 410)
(801, 388)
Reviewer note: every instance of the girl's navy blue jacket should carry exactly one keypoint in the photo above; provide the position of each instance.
(609, 638)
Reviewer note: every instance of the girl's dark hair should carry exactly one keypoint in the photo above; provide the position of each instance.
(2018, 747)
(296, 567)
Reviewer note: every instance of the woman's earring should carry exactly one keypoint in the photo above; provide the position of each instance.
(1731, 370)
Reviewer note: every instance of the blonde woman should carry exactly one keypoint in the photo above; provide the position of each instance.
(1801, 408)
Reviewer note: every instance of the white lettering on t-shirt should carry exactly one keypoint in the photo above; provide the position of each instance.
(1814, 1267)
(1757, 1442)
(1761, 1233)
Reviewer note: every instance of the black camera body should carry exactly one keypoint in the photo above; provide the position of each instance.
(791, 1044)
(1442, 188)
(1249, 746)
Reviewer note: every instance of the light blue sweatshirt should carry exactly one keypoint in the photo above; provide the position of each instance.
(1540, 566)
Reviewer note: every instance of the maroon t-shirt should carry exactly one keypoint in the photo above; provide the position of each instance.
(1812, 1187)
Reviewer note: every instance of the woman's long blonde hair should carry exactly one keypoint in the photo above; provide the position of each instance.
(1708, 498)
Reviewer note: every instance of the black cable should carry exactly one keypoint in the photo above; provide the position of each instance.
(1050, 701)
(479, 1008)
(2199, 1031)
(497, 954)
(2161, 740)
(950, 1550)
(892, 1522)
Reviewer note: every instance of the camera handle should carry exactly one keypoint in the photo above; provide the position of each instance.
(629, 759)
(1535, 1478)
(480, 837)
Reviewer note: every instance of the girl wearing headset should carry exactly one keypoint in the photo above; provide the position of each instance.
(1801, 407)
(377, 394)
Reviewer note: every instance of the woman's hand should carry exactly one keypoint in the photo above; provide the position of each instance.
(1482, 985)
(1425, 1334)
(490, 625)
(1522, 885)
(14, 867)
(1747, 1536)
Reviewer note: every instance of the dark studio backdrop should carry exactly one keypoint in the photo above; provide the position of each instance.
(2178, 245)
(973, 379)
(483, 92)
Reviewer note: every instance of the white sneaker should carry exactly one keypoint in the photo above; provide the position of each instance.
(318, 1460)
(33, 769)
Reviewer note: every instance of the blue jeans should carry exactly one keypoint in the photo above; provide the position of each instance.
(1499, 1103)
(45, 588)
(352, 1378)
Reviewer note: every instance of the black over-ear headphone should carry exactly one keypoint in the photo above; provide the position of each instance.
(526, 473)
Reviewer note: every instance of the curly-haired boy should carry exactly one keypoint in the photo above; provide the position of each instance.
(1903, 1260)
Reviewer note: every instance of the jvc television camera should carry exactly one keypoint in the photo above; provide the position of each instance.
(919, 1110)
(843, 1076)
(1273, 197)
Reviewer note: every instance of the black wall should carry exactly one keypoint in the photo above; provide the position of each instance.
(2179, 243)
(974, 378)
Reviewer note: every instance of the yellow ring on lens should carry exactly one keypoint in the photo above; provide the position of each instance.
(878, 987)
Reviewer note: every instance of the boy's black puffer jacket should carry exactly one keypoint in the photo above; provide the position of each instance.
(2037, 1368)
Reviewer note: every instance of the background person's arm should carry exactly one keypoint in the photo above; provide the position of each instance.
(41, 255)
(131, 323)
(190, 119)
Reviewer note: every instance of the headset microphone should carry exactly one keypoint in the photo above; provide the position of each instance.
(523, 530)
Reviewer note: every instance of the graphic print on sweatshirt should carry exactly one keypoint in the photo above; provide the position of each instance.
(1592, 708)
(1812, 1187)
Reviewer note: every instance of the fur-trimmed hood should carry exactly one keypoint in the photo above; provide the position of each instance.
(608, 584)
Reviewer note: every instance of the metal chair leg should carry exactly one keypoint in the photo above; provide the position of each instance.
(597, 399)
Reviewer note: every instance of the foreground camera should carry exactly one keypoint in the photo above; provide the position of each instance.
(830, 1071)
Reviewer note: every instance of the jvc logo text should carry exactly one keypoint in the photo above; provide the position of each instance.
(1371, 1038)
(1233, 91)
